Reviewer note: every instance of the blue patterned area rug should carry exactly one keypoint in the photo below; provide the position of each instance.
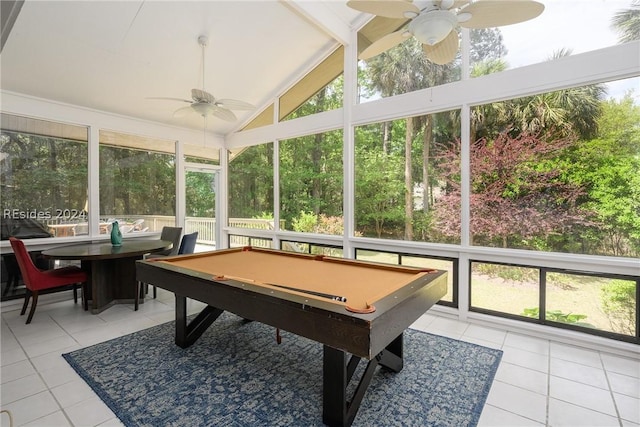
(237, 375)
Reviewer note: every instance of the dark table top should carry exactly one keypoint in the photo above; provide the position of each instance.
(104, 250)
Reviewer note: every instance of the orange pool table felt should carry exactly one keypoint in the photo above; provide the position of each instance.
(362, 284)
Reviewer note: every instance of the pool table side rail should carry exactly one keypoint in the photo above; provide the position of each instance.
(324, 258)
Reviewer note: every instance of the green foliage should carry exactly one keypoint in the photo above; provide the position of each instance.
(251, 181)
(379, 192)
(305, 222)
(42, 173)
(200, 195)
(264, 215)
(557, 316)
(608, 167)
(308, 222)
(328, 98)
(627, 22)
(135, 182)
(311, 175)
(619, 303)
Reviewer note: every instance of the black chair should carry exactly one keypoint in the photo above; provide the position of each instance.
(171, 234)
(187, 246)
(188, 243)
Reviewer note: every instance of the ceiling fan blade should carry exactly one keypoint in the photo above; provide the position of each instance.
(223, 113)
(234, 104)
(386, 8)
(497, 13)
(181, 112)
(200, 95)
(445, 51)
(384, 44)
(170, 99)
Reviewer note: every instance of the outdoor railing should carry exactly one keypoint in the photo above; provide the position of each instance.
(206, 227)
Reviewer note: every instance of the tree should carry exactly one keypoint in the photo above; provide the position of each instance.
(574, 110)
(42, 174)
(311, 176)
(134, 182)
(619, 303)
(379, 190)
(608, 167)
(486, 45)
(515, 193)
(311, 166)
(405, 69)
(627, 23)
(400, 70)
(251, 182)
(488, 119)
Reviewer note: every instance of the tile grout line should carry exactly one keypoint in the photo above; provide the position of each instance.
(613, 398)
(548, 401)
(62, 410)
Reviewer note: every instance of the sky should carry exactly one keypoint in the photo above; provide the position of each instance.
(580, 25)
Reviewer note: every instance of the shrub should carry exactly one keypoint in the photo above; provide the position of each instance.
(619, 303)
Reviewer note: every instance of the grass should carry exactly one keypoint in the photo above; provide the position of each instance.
(511, 290)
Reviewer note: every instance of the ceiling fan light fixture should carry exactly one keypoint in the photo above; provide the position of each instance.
(409, 14)
(432, 27)
(201, 108)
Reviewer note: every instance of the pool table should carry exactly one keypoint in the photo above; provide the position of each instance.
(357, 310)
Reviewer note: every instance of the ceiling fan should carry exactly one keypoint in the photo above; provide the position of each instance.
(433, 23)
(205, 104)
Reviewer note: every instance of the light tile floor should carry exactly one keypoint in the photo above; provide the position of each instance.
(539, 382)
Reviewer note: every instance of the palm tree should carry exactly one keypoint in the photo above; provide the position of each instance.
(487, 116)
(627, 23)
(574, 110)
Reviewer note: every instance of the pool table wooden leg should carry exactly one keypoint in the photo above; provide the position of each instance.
(337, 409)
(188, 332)
(391, 357)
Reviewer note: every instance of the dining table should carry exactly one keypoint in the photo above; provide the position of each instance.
(111, 269)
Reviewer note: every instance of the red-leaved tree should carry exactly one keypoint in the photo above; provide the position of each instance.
(517, 191)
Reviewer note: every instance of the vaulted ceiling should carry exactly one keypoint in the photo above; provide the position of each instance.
(114, 55)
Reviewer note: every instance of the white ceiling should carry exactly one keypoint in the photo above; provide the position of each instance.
(113, 55)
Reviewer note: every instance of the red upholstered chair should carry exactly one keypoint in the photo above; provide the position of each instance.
(38, 280)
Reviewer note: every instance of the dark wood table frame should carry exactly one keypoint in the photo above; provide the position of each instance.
(111, 269)
(377, 337)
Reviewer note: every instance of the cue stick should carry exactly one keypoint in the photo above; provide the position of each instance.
(318, 294)
(304, 291)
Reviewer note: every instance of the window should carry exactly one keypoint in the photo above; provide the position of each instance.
(43, 170)
(320, 90)
(411, 260)
(506, 289)
(310, 248)
(137, 182)
(407, 179)
(596, 303)
(236, 240)
(607, 304)
(401, 69)
(251, 187)
(558, 171)
(311, 183)
(553, 34)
